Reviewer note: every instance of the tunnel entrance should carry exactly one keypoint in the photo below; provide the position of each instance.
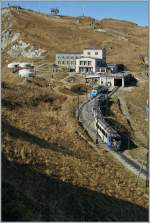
(118, 82)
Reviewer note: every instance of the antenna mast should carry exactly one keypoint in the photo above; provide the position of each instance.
(83, 11)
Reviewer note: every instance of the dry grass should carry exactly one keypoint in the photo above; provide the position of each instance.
(56, 169)
(137, 124)
(64, 34)
(45, 135)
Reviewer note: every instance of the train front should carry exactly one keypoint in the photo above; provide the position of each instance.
(115, 142)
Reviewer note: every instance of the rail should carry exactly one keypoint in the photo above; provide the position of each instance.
(129, 163)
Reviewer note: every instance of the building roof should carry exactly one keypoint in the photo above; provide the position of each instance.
(111, 65)
(68, 53)
(94, 48)
(95, 58)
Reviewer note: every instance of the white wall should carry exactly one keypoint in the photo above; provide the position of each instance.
(93, 63)
(105, 80)
(100, 55)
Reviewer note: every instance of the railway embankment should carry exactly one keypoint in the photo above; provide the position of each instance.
(86, 118)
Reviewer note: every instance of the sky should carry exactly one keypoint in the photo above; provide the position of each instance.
(134, 11)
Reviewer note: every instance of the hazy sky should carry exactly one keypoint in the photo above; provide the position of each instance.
(135, 11)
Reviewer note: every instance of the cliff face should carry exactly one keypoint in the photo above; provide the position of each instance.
(33, 35)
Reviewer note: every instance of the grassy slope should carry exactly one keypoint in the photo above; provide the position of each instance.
(48, 32)
(39, 131)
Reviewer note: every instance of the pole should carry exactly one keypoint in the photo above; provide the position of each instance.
(78, 106)
(97, 126)
(139, 173)
(147, 175)
(96, 129)
(147, 155)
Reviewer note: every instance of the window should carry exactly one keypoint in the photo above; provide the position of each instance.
(81, 62)
(102, 70)
(89, 63)
(63, 62)
(89, 53)
(96, 53)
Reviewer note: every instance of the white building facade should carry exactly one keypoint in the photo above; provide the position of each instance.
(92, 60)
(87, 64)
(95, 53)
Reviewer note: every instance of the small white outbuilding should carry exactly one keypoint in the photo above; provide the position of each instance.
(25, 73)
(25, 65)
(13, 65)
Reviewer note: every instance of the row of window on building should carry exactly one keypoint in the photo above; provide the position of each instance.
(66, 62)
(67, 57)
(89, 53)
(89, 63)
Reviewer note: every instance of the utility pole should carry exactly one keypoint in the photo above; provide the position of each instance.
(147, 155)
(147, 176)
(78, 107)
(83, 11)
(96, 123)
(139, 173)
(97, 129)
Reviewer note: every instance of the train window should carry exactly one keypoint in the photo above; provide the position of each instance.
(116, 138)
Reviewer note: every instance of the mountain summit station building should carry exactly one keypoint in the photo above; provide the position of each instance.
(91, 60)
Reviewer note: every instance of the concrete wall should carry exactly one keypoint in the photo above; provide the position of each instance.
(106, 81)
(82, 63)
(96, 53)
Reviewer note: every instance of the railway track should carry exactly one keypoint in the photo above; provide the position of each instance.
(86, 114)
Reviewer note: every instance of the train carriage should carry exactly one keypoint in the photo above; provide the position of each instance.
(107, 133)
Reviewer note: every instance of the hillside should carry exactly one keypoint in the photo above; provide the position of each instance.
(124, 41)
(49, 172)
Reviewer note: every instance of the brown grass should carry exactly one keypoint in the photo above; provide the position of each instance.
(39, 131)
(64, 34)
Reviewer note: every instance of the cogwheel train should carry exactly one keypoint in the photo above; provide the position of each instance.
(107, 133)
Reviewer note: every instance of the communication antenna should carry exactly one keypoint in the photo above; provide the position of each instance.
(83, 11)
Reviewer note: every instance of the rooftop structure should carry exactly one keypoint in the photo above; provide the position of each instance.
(99, 53)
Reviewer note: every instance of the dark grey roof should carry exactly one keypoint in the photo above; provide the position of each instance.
(68, 53)
(111, 64)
